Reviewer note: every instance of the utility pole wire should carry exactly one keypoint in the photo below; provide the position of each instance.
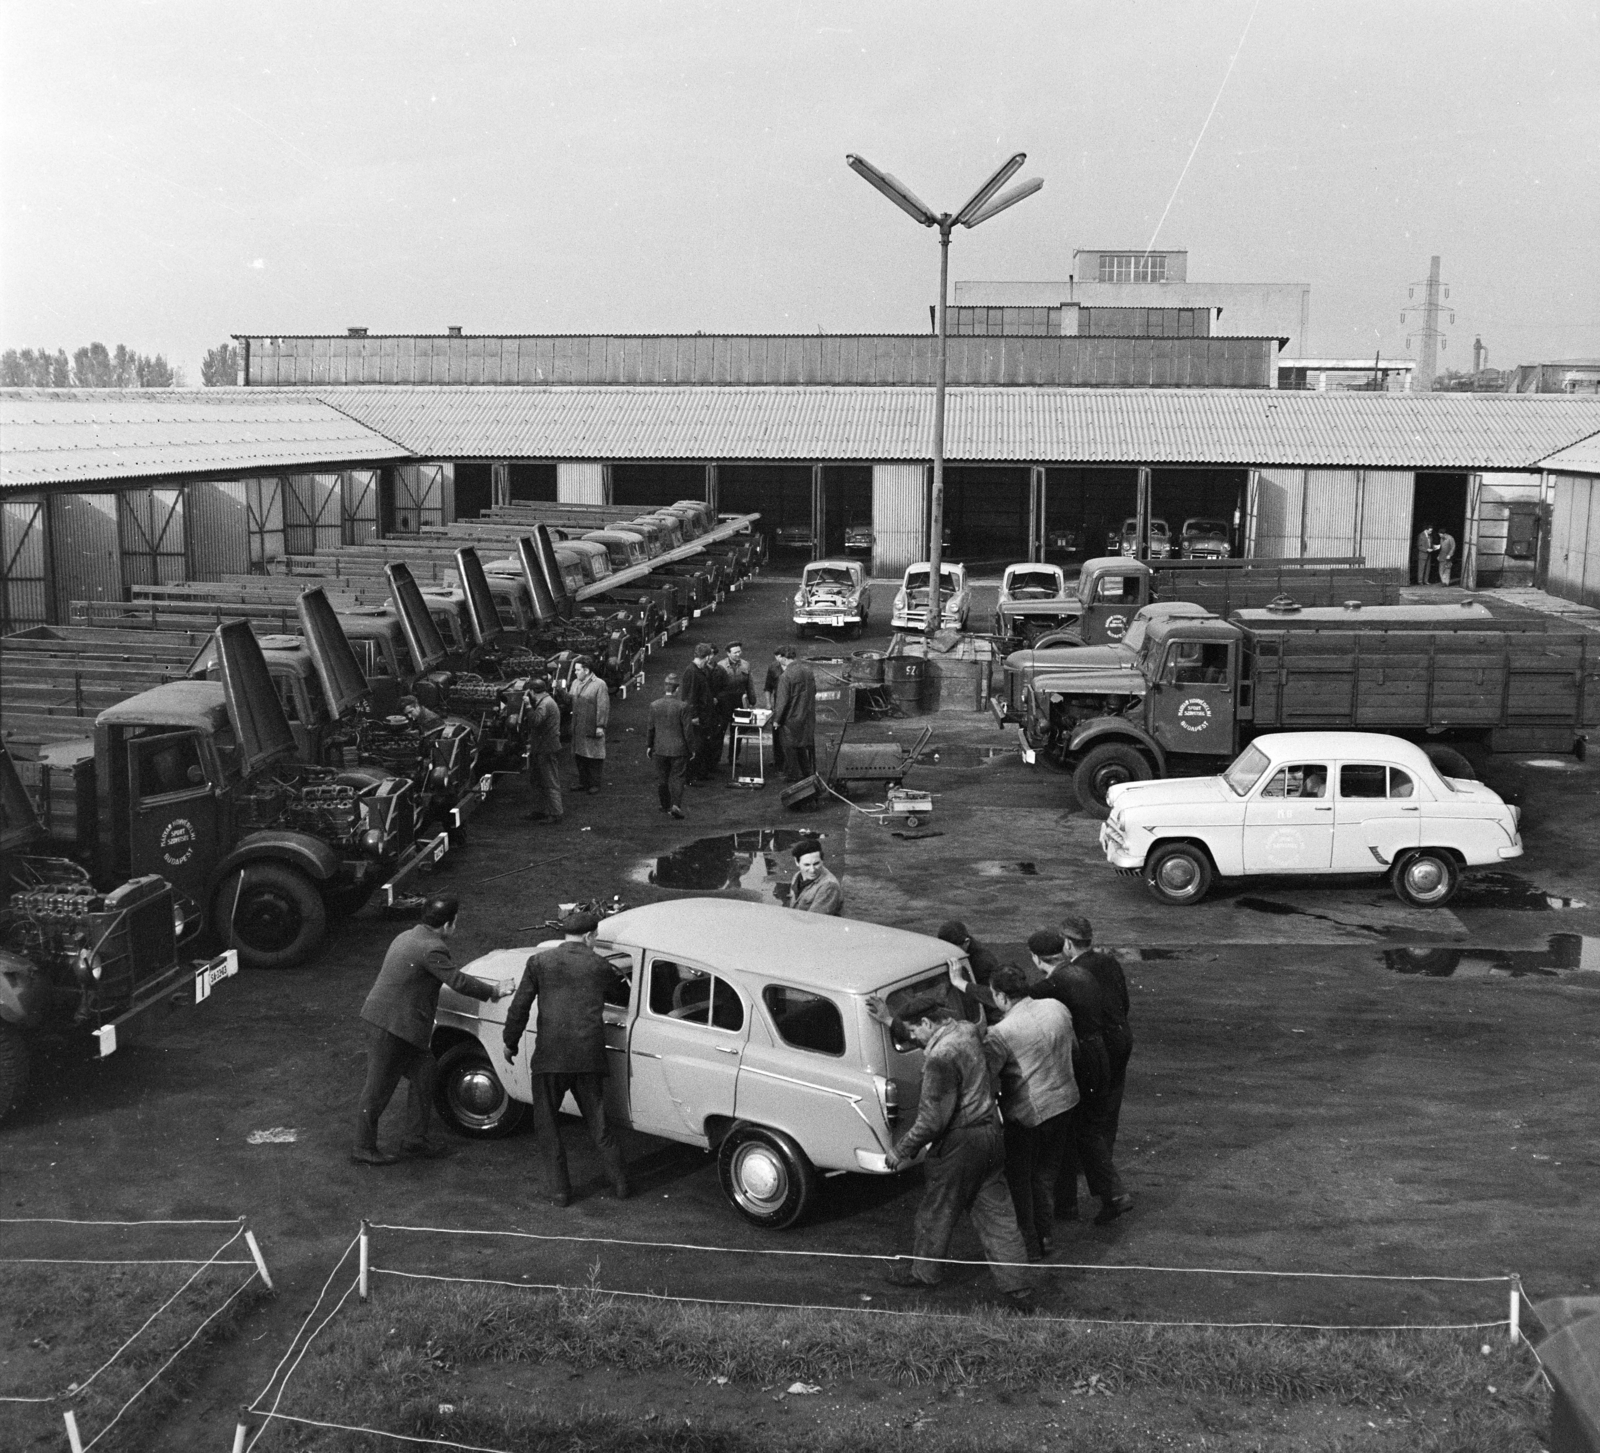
(1232, 61)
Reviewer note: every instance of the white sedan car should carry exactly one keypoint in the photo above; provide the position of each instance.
(911, 603)
(1311, 803)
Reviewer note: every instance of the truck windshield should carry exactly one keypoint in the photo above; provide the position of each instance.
(1246, 770)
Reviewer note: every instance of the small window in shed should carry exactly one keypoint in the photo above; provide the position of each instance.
(805, 1020)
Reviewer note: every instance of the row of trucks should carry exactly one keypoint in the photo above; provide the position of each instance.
(337, 679)
(1181, 688)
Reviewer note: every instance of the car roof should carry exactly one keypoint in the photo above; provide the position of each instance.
(943, 566)
(1281, 746)
(1191, 628)
(196, 705)
(814, 949)
(833, 565)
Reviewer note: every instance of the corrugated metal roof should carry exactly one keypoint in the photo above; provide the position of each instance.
(1022, 425)
(70, 436)
(1581, 458)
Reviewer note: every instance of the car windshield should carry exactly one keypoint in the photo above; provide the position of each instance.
(1214, 528)
(918, 579)
(1246, 770)
(1043, 580)
(1157, 527)
(828, 576)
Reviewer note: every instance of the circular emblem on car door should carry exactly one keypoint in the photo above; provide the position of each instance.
(177, 841)
(1116, 627)
(1194, 715)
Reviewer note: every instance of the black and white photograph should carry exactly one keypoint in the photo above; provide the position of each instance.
(800, 727)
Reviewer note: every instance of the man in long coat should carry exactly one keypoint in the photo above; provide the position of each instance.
(591, 710)
(699, 691)
(794, 716)
(543, 728)
(670, 742)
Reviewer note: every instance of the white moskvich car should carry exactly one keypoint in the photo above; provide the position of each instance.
(1311, 803)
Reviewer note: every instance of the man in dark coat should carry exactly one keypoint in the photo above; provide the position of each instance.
(983, 959)
(699, 691)
(794, 716)
(736, 691)
(1117, 1031)
(399, 1011)
(670, 742)
(569, 1049)
(542, 724)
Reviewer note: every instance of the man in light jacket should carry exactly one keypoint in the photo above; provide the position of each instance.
(591, 710)
(814, 889)
(1030, 1053)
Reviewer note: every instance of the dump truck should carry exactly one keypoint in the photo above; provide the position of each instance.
(80, 955)
(195, 781)
(1199, 688)
(1112, 588)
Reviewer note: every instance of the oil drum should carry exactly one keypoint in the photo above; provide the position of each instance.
(908, 681)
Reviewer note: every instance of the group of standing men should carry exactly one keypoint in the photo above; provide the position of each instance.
(691, 723)
(1436, 556)
(1018, 1099)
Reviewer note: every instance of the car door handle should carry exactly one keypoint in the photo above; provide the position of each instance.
(644, 1054)
(1410, 809)
(1329, 808)
(722, 1049)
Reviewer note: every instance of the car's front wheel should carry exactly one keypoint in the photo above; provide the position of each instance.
(766, 1176)
(471, 1096)
(1178, 874)
(1427, 878)
(271, 913)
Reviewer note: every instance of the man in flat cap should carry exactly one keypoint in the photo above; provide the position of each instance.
(570, 982)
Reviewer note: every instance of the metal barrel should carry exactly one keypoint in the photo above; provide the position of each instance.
(908, 681)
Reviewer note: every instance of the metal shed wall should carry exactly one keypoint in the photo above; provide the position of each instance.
(1575, 538)
(581, 483)
(86, 550)
(218, 522)
(1386, 517)
(24, 565)
(899, 516)
(1279, 498)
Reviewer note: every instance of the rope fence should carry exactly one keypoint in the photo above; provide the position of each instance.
(258, 1272)
(366, 1269)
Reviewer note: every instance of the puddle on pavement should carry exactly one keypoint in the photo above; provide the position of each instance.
(1506, 890)
(1000, 868)
(1563, 953)
(753, 859)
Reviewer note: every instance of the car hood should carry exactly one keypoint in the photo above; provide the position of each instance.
(1109, 681)
(1070, 659)
(1172, 792)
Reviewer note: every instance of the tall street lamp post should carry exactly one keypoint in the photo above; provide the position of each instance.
(980, 207)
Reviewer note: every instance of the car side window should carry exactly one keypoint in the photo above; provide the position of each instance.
(1308, 780)
(620, 989)
(1117, 588)
(680, 991)
(174, 766)
(1197, 663)
(805, 1020)
(1400, 783)
(1363, 780)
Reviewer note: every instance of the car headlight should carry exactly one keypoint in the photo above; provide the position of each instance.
(800, 600)
(88, 965)
(372, 841)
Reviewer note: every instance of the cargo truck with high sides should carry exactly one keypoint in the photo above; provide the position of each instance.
(81, 955)
(196, 781)
(1196, 692)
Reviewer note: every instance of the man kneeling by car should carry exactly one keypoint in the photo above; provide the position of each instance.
(965, 1168)
(569, 1049)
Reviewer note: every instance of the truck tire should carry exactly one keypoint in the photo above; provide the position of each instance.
(1448, 762)
(13, 1067)
(1426, 878)
(1178, 874)
(271, 913)
(471, 1097)
(766, 1176)
(1104, 767)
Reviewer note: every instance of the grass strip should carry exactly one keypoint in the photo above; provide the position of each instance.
(394, 1363)
(60, 1323)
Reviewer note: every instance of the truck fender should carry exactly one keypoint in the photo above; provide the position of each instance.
(311, 855)
(24, 992)
(1115, 728)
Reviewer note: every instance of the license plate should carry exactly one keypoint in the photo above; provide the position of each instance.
(214, 973)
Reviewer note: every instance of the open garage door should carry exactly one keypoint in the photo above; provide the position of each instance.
(986, 514)
(1211, 494)
(1083, 508)
(781, 493)
(652, 485)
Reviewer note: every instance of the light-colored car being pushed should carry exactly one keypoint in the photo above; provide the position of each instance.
(738, 1027)
(911, 602)
(833, 594)
(1311, 803)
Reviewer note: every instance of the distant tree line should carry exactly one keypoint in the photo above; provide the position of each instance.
(93, 366)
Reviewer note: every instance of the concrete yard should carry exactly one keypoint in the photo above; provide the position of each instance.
(1323, 1079)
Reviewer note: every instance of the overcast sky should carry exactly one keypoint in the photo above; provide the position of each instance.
(175, 172)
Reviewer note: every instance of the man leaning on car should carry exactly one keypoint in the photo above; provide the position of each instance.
(569, 1049)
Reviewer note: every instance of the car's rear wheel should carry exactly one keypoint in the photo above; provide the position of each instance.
(766, 1176)
(271, 913)
(471, 1096)
(1104, 767)
(1427, 878)
(1178, 874)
